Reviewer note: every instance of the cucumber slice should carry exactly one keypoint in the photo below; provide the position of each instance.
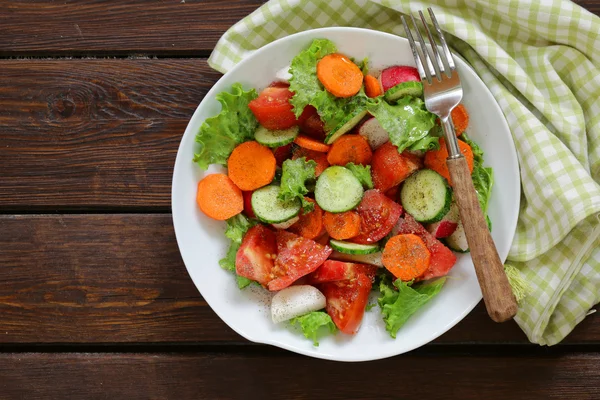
(286, 224)
(338, 190)
(350, 122)
(276, 138)
(371, 259)
(409, 88)
(353, 248)
(268, 208)
(426, 196)
(458, 240)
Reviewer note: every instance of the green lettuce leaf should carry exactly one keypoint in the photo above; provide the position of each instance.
(237, 227)
(312, 323)
(483, 178)
(362, 173)
(397, 306)
(296, 173)
(235, 124)
(407, 122)
(304, 82)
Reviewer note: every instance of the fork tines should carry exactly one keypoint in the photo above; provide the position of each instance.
(429, 65)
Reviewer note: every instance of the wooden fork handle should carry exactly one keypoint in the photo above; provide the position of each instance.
(497, 293)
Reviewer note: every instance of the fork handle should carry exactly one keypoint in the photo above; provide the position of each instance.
(497, 293)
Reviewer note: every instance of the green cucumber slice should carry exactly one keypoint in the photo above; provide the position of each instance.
(338, 190)
(353, 248)
(345, 126)
(409, 88)
(276, 138)
(426, 196)
(268, 208)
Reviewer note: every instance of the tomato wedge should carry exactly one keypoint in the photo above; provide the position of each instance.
(296, 257)
(272, 108)
(332, 271)
(389, 168)
(282, 153)
(378, 215)
(346, 302)
(442, 258)
(248, 204)
(311, 124)
(254, 259)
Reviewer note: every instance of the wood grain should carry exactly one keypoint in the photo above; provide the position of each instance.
(120, 279)
(169, 27)
(94, 134)
(239, 376)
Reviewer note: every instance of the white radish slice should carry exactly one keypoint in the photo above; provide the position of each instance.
(447, 225)
(286, 224)
(295, 301)
(371, 259)
(374, 133)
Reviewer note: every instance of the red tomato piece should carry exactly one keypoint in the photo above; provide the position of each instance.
(310, 123)
(346, 302)
(332, 271)
(442, 258)
(296, 257)
(378, 215)
(389, 168)
(282, 153)
(254, 259)
(279, 84)
(392, 193)
(248, 204)
(272, 108)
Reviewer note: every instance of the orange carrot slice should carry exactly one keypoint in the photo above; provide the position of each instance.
(251, 166)
(310, 225)
(342, 226)
(311, 144)
(350, 148)
(340, 76)
(218, 197)
(460, 118)
(436, 159)
(406, 256)
(372, 86)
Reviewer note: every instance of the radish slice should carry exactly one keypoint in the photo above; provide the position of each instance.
(372, 130)
(295, 301)
(392, 76)
(447, 225)
(286, 224)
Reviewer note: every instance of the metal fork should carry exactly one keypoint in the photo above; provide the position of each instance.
(443, 92)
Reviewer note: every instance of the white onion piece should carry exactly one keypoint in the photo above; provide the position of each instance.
(295, 301)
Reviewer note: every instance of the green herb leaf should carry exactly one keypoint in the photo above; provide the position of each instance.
(362, 173)
(294, 178)
(483, 178)
(312, 323)
(237, 227)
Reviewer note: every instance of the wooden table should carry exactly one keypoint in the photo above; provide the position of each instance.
(95, 301)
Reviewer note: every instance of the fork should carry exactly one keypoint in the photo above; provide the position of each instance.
(443, 92)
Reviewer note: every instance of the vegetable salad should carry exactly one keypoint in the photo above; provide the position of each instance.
(336, 185)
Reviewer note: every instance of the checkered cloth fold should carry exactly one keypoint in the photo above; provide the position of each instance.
(541, 61)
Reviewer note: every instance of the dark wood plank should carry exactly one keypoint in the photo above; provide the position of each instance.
(120, 279)
(188, 27)
(171, 27)
(92, 134)
(231, 376)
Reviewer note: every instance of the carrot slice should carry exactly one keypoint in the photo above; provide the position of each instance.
(350, 148)
(436, 159)
(340, 76)
(251, 166)
(319, 158)
(218, 197)
(406, 256)
(460, 118)
(310, 225)
(372, 86)
(311, 144)
(342, 226)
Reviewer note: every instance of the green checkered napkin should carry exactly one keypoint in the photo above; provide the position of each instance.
(541, 60)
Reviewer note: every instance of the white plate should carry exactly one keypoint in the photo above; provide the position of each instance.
(202, 243)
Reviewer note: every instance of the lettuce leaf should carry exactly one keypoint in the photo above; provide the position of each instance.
(397, 306)
(294, 178)
(235, 124)
(483, 178)
(362, 173)
(407, 122)
(237, 227)
(312, 323)
(304, 82)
